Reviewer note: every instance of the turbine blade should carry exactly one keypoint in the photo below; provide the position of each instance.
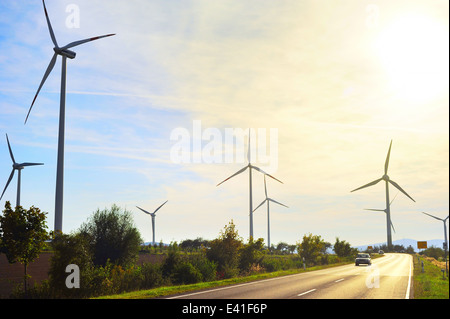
(393, 199)
(400, 189)
(367, 185)
(7, 183)
(386, 164)
(10, 151)
(160, 206)
(76, 43)
(260, 204)
(50, 29)
(392, 226)
(273, 200)
(265, 187)
(47, 72)
(237, 173)
(261, 171)
(446, 218)
(248, 151)
(31, 164)
(144, 210)
(433, 216)
(375, 210)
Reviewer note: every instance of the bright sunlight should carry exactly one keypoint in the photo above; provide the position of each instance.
(414, 50)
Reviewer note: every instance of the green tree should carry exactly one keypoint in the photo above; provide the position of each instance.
(112, 235)
(224, 251)
(342, 248)
(22, 235)
(310, 248)
(251, 254)
(71, 249)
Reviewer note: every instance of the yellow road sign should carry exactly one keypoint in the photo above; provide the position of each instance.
(421, 244)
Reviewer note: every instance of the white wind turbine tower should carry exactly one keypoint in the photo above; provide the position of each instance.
(268, 214)
(386, 178)
(18, 167)
(250, 167)
(445, 236)
(384, 210)
(153, 219)
(65, 53)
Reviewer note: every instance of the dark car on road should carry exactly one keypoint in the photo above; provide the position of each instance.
(363, 258)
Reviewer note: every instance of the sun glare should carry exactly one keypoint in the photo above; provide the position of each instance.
(415, 52)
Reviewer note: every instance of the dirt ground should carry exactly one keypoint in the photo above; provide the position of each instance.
(12, 274)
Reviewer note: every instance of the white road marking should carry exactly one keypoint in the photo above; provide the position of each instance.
(236, 286)
(409, 280)
(339, 280)
(306, 292)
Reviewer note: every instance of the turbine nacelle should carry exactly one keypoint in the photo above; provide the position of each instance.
(65, 53)
(17, 166)
(385, 178)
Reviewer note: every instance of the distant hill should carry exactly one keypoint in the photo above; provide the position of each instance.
(406, 243)
(147, 243)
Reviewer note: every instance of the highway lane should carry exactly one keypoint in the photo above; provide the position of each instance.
(388, 277)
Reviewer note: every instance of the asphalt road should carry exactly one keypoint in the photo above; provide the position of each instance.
(388, 277)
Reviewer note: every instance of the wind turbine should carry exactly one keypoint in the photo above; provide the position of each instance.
(153, 218)
(250, 167)
(384, 210)
(65, 53)
(18, 167)
(445, 234)
(268, 214)
(386, 178)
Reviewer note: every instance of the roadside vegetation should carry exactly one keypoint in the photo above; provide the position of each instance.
(107, 246)
(432, 282)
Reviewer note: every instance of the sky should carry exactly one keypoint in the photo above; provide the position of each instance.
(324, 85)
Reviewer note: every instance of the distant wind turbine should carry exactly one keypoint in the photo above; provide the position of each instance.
(445, 236)
(153, 218)
(384, 210)
(18, 167)
(386, 178)
(65, 53)
(268, 214)
(250, 167)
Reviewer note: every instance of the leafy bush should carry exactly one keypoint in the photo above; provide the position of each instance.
(207, 268)
(186, 273)
(251, 254)
(224, 251)
(310, 248)
(152, 275)
(172, 260)
(70, 249)
(112, 235)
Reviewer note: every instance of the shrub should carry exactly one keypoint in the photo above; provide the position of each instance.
(113, 236)
(310, 248)
(70, 249)
(186, 273)
(207, 268)
(152, 275)
(172, 260)
(251, 254)
(224, 251)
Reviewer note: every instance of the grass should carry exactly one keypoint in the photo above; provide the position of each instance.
(429, 284)
(171, 290)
